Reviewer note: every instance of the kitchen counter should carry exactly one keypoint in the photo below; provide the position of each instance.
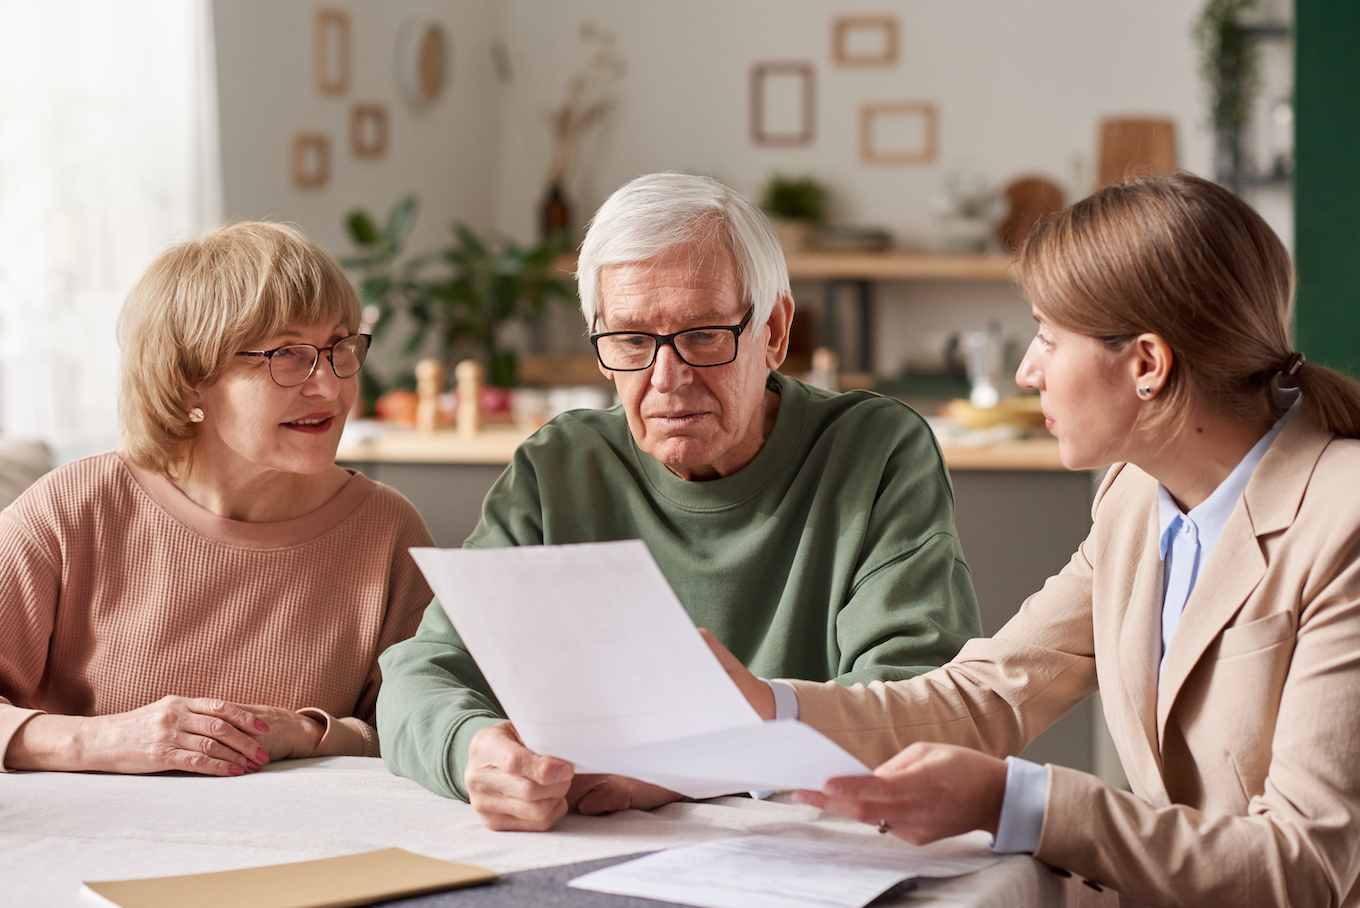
(496, 443)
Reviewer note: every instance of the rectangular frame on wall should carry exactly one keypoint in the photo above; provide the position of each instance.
(766, 80)
(842, 39)
(311, 160)
(332, 45)
(922, 153)
(368, 130)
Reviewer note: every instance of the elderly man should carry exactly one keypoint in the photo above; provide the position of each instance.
(811, 532)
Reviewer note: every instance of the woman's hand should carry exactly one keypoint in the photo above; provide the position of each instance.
(756, 691)
(926, 792)
(212, 737)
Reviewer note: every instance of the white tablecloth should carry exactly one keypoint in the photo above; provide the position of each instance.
(58, 829)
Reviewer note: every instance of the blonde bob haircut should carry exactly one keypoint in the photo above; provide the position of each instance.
(1183, 258)
(200, 303)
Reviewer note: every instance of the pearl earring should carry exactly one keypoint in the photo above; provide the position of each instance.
(196, 414)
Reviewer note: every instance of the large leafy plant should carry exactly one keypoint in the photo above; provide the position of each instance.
(457, 297)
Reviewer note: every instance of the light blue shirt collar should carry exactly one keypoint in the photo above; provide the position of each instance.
(1211, 515)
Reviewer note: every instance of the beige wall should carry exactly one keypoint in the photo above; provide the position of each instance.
(444, 153)
(1020, 87)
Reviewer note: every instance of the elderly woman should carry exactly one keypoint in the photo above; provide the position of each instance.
(216, 594)
(1216, 602)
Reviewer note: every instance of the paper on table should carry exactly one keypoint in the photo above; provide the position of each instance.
(594, 658)
(354, 879)
(770, 872)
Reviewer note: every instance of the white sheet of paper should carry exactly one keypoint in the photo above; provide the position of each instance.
(770, 756)
(597, 662)
(771, 872)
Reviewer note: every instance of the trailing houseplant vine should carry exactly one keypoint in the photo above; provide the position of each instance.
(1230, 65)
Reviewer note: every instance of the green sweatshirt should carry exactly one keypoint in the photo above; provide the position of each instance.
(831, 555)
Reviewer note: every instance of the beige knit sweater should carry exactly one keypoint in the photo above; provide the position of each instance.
(116, 590)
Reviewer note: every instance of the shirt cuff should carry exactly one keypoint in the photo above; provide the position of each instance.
(785, 707)
(342, 737)
(785, 699)
(11, 719)
(1023, 808)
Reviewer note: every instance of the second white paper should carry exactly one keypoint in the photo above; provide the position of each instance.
(597, 662)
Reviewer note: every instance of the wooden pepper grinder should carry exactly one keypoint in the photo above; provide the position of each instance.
(429, 385)
(469, 375)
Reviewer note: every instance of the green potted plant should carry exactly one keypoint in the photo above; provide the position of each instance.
(797, 206)
(1230, 64)
(460, 295)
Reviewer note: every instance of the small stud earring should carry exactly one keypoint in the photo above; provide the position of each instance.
(196, 414)
(1144, 392)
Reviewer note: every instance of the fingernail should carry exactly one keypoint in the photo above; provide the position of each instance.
(261, 755)
(259, 723)
(560, 773)
(801, 798)
(252, 766)
(234, 770)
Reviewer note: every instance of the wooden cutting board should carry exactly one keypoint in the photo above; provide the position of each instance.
(1135, 147)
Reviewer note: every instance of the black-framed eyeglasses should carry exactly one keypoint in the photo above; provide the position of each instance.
(292, 365)
(633, 351)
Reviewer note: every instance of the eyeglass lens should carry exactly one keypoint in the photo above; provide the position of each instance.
(294, 364)
(698, 347)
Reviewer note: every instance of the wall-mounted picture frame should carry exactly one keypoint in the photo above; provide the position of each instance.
(783, 103)
(864, 41)
(311, 160)
(332, 47)
(423, 61)
(368, 130)
(898, 132)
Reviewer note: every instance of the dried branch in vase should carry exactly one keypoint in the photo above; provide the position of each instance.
(588, 100)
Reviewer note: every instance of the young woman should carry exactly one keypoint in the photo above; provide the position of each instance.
(216, 594)
(1215, 604)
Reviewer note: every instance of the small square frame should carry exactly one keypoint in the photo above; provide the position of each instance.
(923, 154)
(368, 130)
(760, 133)
(840, 42)
(331, 46)
(311, 160)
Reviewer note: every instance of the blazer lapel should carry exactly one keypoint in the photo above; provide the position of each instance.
(1140, 642)
(1232, 572)
(1238, 563)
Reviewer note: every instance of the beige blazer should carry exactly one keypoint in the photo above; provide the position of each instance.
(1245, 762)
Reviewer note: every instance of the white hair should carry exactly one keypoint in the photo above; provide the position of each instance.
(658, 212)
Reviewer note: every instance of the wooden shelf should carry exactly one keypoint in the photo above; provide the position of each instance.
(889, 266)
(881, 266)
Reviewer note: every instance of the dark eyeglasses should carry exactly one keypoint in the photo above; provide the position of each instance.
(633, 351)
(292, 365)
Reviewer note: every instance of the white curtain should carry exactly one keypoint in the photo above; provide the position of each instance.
(108, 152)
